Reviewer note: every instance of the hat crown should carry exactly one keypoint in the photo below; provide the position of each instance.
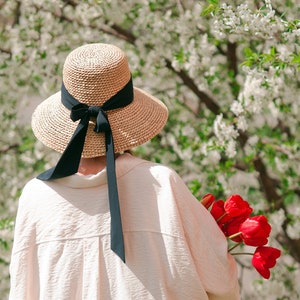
(94, 73)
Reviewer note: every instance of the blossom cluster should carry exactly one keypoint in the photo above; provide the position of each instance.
(234, 219)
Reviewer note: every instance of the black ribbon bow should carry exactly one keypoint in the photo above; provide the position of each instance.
(69, 161)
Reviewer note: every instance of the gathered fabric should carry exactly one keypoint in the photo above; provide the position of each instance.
(174, 249)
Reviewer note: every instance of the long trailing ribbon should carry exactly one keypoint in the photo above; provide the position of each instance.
(69, 161)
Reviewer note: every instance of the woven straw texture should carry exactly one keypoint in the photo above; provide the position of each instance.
(93, 73)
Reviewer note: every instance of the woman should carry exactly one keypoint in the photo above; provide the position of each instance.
(103, 224)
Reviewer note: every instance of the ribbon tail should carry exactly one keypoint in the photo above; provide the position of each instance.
(116, 231)
(70, 159)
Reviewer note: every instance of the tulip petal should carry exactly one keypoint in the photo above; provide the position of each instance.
(264, 258)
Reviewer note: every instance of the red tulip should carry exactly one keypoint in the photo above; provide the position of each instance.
(207, 200)
(235, 206)
(219, 213)
(264, 258)
(233, 227)
(255, 231)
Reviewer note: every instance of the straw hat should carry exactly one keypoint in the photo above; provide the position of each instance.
(92, 74)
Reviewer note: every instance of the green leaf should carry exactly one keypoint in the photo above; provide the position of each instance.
(248, 52)
(4, 244)
(289, 198)
(207, 10)
(214, 2)
(273, 51)
(212, 7)
(296, 60)
(181, 56)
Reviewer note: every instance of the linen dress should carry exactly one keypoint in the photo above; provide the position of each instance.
(173, 247)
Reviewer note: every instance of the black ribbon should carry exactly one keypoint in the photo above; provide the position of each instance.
(69, 161)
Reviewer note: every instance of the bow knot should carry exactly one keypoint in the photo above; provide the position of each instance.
(83, 111)
(93, 111)
(102, 123)
(79, 111)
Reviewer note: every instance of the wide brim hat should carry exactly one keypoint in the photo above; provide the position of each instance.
(92, 74)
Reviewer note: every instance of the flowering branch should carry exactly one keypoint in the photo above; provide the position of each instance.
(9, 147)
(114, 29)
(7, 51)
(203, 97)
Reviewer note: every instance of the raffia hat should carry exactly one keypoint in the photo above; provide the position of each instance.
(92, 74)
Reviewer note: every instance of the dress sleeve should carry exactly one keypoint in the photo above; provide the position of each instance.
(23, 266)
(216, 268)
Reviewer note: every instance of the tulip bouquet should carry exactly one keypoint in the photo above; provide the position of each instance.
(234, 217)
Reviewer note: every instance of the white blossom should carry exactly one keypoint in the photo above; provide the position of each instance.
(231, 148)
(276, 219)
(242, 123)
(293, 229)
(236, 108)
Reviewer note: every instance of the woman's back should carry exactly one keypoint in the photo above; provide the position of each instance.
(174, 250)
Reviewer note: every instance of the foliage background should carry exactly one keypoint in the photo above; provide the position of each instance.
(227, 70)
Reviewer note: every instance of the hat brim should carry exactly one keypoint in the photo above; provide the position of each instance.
(131, 125)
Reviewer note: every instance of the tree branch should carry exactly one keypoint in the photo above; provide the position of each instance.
(128, 36)
(233, 67)
(7, 51)
(268, 184)
(70, 2)
(9, 147)
(293, 245)
(114, 29)
(203, 97)
(17, 14)
(231, 57)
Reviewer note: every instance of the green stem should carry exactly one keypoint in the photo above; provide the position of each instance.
(234, 235)
(233, 247)
(221, 217)
(242, 253)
